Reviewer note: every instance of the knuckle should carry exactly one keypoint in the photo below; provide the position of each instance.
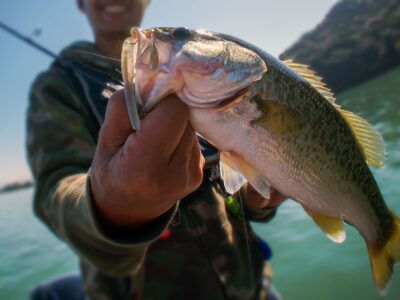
(202, 162)
(196, 177)
(117, 98)
(102, 137)
(99, 179)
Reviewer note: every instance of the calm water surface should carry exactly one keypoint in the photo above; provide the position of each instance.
(306, 264)
(29, 253)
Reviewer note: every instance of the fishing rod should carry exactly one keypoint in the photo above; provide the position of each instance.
(77, 67)
(27, 40)
(93, 74)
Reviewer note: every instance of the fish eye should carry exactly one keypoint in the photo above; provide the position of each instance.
(181, 33)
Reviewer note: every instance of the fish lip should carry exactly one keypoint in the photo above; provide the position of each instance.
(142, 39)
(136, 36)
(139, 33)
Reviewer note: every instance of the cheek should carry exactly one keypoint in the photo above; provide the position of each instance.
(198, 65)
(198, 68)
(205, 83)
(93, 13)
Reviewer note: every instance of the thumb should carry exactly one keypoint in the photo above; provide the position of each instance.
(117, 126)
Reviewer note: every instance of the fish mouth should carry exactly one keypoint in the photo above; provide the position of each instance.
(145, 45)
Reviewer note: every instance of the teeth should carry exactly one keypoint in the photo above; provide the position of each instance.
(114, 9)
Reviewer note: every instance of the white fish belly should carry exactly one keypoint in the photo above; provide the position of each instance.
(283, 169)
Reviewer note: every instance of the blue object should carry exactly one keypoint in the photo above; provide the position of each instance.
(69, 287)
(266, 249)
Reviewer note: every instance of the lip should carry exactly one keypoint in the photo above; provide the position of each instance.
(114, 9)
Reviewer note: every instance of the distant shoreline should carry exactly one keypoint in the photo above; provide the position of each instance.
(15, 186)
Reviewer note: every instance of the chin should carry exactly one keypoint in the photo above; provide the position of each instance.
(116, 30)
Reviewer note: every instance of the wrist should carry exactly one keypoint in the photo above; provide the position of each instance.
(109, 213)
(126, 235)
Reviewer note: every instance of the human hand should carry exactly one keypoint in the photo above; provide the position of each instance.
(255, 201)
(138, 176)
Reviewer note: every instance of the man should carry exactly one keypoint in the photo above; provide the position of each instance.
(146, 221)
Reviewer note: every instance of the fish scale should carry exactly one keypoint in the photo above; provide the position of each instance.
(276, 125)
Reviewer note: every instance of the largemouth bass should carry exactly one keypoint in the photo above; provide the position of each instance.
(275, 124)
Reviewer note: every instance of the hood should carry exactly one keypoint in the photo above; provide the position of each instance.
(83, 50)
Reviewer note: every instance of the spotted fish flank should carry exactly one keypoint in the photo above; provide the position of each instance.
(276, 125)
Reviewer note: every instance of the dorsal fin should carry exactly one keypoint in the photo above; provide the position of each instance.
(369, 139)
(311, 76)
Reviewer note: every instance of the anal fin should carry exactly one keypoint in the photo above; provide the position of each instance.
(333, 227)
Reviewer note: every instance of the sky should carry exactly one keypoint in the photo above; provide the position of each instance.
(270, 24)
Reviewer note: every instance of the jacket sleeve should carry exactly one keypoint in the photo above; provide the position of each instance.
(60, 147)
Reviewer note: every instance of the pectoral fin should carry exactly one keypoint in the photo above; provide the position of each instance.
(235, 171)
(280, 119)
(233, 179)
(333, 227)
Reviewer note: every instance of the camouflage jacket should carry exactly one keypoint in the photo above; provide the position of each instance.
(195, 251)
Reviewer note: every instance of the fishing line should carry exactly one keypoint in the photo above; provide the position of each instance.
(87, 71)
(43, 49)
(78, 67)
(95, 55)
(246, 235)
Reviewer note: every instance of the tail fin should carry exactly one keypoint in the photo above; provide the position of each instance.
(382, 260)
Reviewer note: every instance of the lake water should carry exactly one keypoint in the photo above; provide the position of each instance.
(306, 264)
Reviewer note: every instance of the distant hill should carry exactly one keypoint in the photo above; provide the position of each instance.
(357, 40)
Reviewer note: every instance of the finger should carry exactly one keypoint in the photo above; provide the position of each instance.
(163, 128)
(178, 163)
(117, 126)
(184, 148)
(276, 198)
(187, 165)
(196, 166)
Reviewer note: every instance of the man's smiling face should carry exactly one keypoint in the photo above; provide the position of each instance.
(113, 16)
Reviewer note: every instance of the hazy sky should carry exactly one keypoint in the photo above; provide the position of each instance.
(270, 24)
